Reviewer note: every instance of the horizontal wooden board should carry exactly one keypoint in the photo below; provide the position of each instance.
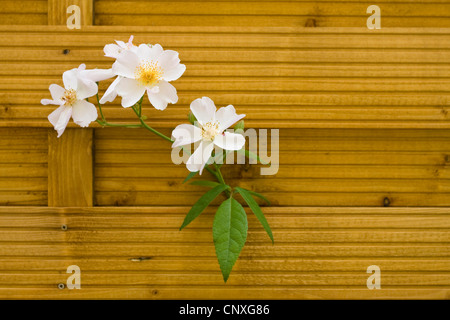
(279, 76)
(268, 13)
(121, 248)
(28, 12)
(23, 166)
(316, 167)
(218, 292)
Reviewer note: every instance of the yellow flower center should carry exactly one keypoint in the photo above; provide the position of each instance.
(210, 130)
(148, 73)
(69, 97)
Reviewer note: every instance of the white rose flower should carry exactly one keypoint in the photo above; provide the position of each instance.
(79, 84)
(210, 131)
(146, 69)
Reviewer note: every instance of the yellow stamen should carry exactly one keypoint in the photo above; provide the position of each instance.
(148, 73)
(69, 97)
(210, 130)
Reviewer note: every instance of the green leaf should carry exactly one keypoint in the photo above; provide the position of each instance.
(229, 234)
(251, 155)
(256, 210)
(190, 176)
(205, 183)
(256, 194)
(202, 203)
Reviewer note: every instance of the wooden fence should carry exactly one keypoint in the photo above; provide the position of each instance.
(364, 175)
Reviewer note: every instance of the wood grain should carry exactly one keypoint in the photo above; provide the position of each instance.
(280, 77)
(339, 167)
(269, 13)
(70, 170)
(27, 12)
(23, 166)
(364, 135)
(142, 252)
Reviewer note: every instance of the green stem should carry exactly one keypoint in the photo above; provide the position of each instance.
(100, 107)
(219, 174)
(107, 124)
(146, 126)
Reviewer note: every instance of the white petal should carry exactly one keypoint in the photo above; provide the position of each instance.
(70, 79)
(83, 113)
(97, 75)
(166, 94)
(145, 52)
(126, 64)
(56, 91)
(200, 157)
(130, 90)
(227, 116)
(112, 50)
(86, 88)
(168, 59)
(54, 102)
(63, 120)
(121, 44)
(170, 64)
(186, 134)
(230, 141)
(203, 109)
(54, 116)
(111, 92)
(174, 73)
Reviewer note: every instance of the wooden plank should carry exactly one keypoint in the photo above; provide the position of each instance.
(90, 279)
(23, 166)
(290, 158)
(141, 248)
(208, 265)
(279, 85)
(298, 69)
(233, 55)
(70, 165)
(115, 31)
(116, 238)
(196, 293)
(178, 173)
(282, 185)
(246, 13)
(262, 8)
(337, 199)
(319, 167)
(206, 250)
(70, 168)
(24, 198)
(129, 219)
(28, 12)
(265, 38)
(250, 70)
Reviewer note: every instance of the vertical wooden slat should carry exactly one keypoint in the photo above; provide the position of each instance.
(70, 161)
(70, 168)
(57, 11)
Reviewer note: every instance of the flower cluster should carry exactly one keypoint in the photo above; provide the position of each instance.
(148, 70)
